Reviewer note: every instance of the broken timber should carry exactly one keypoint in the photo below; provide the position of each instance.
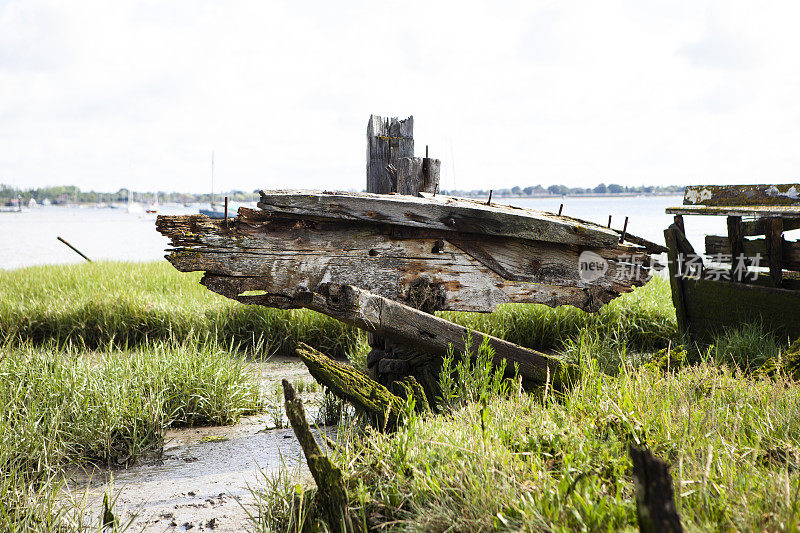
(386, 261)
(739, 279)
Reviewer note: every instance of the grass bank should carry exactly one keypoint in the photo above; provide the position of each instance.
(107, 304)
(534, 462)
(67, 407)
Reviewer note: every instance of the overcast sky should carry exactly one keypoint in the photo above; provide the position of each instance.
(113, 94)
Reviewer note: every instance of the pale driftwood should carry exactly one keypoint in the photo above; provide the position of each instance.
(741, 195)
(790, 211)
(655, 498)
(416, 175)
(405, 325)
(717, 245)
(388, 140)
(439, 212)
(331, 491)
(278, 255)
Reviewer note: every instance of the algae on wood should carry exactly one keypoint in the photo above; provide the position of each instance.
(351, 385)
(331, 491)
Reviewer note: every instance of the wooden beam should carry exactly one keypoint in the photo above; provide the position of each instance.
(774, 241)
(655, 498)
(717, 245)
(786, 211)
(759, 227)
(676, 280)
(428, 333)
(439, 212)
(741, 195)
(715, 306)
(736, 240)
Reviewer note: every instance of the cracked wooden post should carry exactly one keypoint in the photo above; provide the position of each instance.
(331, 491)
(655, 499)
(392, 168)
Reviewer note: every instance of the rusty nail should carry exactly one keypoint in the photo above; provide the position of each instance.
(226, 212)
(609, 221)
(489, 201)
(560, 209)
(624, 230)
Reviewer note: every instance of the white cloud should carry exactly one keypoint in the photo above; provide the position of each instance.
(113, 94)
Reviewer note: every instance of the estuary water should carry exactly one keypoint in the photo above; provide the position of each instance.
(29, 238)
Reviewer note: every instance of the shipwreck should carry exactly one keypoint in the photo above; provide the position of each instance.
(387, 259)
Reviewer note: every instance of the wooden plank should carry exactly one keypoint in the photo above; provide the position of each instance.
(429, 333)
(439, 212)
(786, 211)
(675, 280)
(736, 242)
(759, 227)
(282, 254)
(774, 242)
(741, 195)
(388, 140)
(714, 306)
(717, 245)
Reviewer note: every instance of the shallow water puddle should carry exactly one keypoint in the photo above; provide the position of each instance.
(196, 482)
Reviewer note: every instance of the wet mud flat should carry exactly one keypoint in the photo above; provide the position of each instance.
(200, 480)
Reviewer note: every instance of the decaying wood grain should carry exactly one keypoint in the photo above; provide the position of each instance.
(437, 212)
(742, 195)
(388, 140)
(277, 255)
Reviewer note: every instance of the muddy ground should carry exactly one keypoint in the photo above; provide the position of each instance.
(200, 481)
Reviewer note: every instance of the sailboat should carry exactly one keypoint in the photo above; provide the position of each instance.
(134, 208)
(153, 207)
(214, 210)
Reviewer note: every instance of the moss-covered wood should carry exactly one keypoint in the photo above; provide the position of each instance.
(331, 492)
(353, 386)
(740, 195)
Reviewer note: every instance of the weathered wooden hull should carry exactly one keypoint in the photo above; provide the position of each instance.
(278, 252)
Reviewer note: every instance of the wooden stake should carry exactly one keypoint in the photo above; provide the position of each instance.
(331, 491)
(655, 499)
(74, 249)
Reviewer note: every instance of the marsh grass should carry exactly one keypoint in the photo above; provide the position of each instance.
(104, 304)
(63, 406)
(558, 462)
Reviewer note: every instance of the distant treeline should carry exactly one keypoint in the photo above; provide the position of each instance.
(70, 194)
(561, 190)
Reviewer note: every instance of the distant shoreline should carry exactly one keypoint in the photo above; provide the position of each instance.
(557, 196)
